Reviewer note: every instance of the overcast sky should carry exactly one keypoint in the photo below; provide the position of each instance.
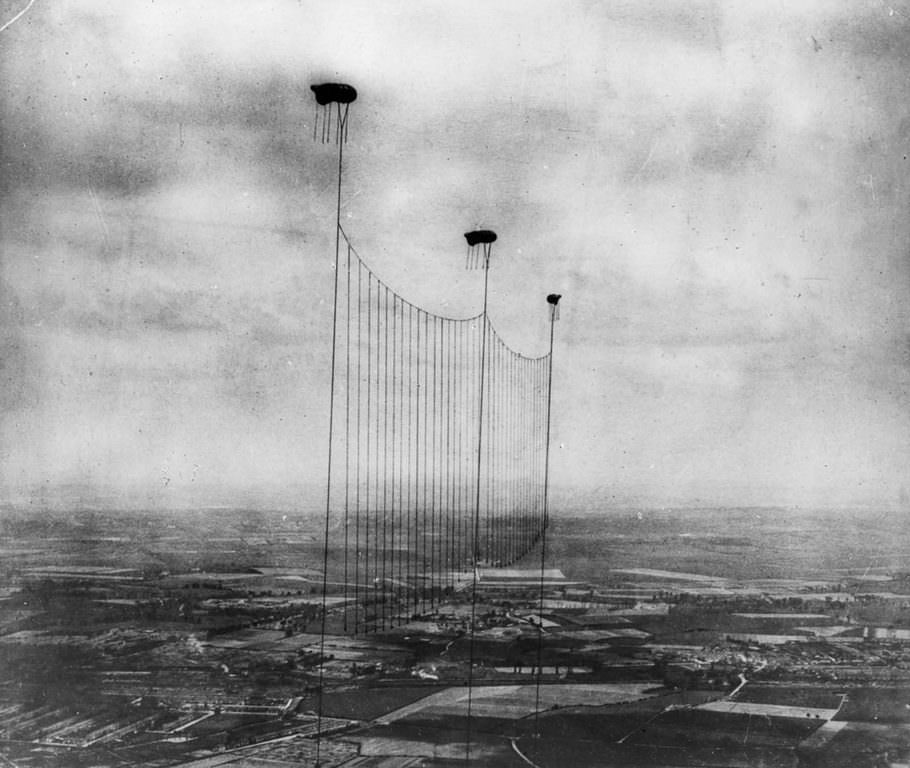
(720, 191)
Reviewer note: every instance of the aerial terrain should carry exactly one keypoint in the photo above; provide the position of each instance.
(672, 637)
(398, 385)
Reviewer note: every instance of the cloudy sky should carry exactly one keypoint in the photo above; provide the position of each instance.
(719, 189)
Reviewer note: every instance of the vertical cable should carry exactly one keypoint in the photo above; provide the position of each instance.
(486, 278)
(394, 449)
(347, 437)
(463, 410)
(504, 461)
(510, 466)
(401, 461)
(440, 463)
(456, 468)
(543, 540)
(466, 422)
(535, 434)
(497, 459)
(450, 346)
(494, 449)
(385, 456)
(469, 398)
(508, 453)
(490, 554)
(516, 405)
(357, 469)
(536, 456)
(449, 475)
(529, 458)
(418, 476)
(450, 460)
(411, 470)
(440, 558)
(378, 500)
(328, 491)
(396, 543)
(459, 478)
(369, 452)
(525, 454)
(443, 479)
(494, 458)
(540, 404)
(434, 471)
(491, 442)
(519, 407)
(523, 448)
(440, 466)
(426, 459)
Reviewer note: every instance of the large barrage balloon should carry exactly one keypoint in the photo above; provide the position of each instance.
(327, 94)
(479, 242)
(480, 236)
(553, 301)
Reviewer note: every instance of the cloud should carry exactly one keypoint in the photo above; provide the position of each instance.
(731, 141)
(19, 369)
(878, 32)
(720, 202)
(693, 23)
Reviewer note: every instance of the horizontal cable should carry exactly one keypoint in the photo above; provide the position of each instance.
(495, 335)
(401, 298)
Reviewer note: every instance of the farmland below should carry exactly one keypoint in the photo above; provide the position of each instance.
(714, 637)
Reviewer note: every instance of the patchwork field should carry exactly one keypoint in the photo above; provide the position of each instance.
(517, 701)
(768, 710)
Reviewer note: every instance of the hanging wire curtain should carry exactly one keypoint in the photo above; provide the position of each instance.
(402, 501)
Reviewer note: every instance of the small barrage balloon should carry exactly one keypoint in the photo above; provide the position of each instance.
(553, 301)
(331, 96)
(479, 244)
